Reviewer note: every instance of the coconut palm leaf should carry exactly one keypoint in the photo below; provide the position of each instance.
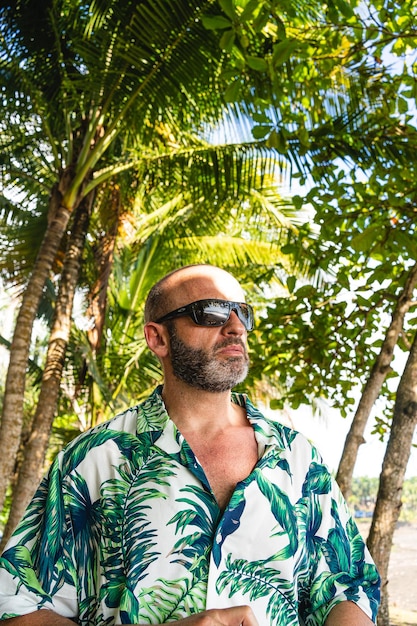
(318, 480)
(202, 515)
(256, 580)
(283, 512)
(170, 600)
(125, 516)
(17, 561)
(86, 523)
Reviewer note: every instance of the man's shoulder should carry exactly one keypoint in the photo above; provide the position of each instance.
(132, 431)
(146, 416)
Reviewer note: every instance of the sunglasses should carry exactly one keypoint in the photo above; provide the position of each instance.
(212, 313)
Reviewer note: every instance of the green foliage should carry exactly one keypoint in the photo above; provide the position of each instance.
(365, 490)
(121, 95)
(409, 500)
(241, 234)
(322, 337)
(112, 112)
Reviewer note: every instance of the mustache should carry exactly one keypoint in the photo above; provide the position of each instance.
(232, 341)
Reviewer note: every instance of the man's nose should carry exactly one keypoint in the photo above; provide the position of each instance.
(234, 326)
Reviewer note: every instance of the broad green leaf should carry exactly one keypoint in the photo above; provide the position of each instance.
(256, 63)
(283, 50)
(228, 8)
(260, 131)
(217, 22)
(232, 92)
(227, 40)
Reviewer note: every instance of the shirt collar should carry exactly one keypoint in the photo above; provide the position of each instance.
(267, 432)
(153, 416)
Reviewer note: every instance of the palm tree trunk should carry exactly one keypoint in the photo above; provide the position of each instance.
(31, 469)
(388, 504)
(373, 386)
(12, 414)
(104, 255)
(96, 311)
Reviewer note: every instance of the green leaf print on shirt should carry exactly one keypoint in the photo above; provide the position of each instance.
(257, 580)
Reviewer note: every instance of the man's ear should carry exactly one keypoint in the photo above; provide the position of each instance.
(157, 338)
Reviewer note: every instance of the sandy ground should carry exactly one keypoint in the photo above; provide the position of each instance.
(402, 572)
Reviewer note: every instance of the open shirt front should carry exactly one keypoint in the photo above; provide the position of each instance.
(125, 529)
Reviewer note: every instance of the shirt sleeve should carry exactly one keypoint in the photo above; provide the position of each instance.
(342, 568)
(36, 571)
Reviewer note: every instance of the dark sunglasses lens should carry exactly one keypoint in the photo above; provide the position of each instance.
(212, 313)
(217, 312)
(245, 314)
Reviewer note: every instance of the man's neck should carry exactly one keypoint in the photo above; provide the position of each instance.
(198, 410)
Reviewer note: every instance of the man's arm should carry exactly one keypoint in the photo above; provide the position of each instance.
(234, 616)
(347, 614)
(39, 618)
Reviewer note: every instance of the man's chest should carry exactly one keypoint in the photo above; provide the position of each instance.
(226, 461)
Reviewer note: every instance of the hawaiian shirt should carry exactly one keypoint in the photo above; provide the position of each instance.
(125, 529)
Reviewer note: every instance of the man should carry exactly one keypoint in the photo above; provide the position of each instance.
(191, 507)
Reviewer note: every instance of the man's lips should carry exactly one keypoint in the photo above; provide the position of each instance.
(232, 350)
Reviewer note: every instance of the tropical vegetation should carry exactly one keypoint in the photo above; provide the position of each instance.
(276, 139)
(365, 491)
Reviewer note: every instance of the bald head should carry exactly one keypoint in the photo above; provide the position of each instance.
(188, 284)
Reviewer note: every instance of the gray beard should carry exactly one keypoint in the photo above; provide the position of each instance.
(200, 368)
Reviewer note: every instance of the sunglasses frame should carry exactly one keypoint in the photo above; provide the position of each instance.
(190, 310)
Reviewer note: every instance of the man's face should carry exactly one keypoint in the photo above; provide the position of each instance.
(216, 368)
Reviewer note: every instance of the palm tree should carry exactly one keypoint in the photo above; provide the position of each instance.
(37, 441)
(80, 95)
(89, 88)
(243, 233)
(177, 232)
